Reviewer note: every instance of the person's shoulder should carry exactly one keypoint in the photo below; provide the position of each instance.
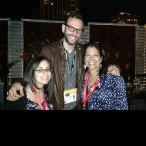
(19, 104)
(52, 44)
(51, 47)
(111, 80)
(80, 45)
(115, 77)
(79, 48)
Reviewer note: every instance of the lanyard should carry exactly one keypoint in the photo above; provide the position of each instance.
(70, 69)
(86, 96)
(45, 107)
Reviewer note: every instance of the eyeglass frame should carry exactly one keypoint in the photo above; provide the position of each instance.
(71, 27)
(41, 70)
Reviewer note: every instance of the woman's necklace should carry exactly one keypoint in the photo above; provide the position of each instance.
(86, 96)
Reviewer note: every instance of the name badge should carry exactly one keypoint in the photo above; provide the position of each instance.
(70, 95)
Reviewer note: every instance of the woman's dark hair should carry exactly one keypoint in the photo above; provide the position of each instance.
(29, 75)
(102, 53)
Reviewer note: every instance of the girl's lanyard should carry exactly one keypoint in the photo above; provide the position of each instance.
(86, 96)
(38, 101)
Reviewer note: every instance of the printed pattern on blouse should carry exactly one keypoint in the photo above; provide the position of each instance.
(34, 106)
(111, 95)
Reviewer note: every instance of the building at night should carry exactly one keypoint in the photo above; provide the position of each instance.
(57, 9)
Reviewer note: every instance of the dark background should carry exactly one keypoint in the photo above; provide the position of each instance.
(104, 10)
(93, 11)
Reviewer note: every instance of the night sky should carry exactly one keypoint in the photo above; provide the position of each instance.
(97, 11)
(104, 10)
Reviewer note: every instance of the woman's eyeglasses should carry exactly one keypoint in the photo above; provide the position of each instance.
(43, 70)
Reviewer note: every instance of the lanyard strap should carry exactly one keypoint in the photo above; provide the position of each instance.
(45, 107)
(70, 69)
(86, 96)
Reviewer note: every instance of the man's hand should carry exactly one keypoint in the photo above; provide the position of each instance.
(114, 70)
(13, 92)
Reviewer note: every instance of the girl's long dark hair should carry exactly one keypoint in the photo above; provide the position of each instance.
(29, 75)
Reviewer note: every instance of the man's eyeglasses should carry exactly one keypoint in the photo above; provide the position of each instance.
(43, 70)
(72, 29)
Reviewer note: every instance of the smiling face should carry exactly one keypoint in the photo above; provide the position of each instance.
(92, 58)
(72, 37)
(42, 74)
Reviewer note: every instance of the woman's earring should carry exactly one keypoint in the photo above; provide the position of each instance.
(100, 65)
(85, 66)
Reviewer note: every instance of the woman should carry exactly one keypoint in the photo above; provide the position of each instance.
(101, 91)
(38, 82)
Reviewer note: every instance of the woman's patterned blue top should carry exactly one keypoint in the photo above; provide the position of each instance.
(111, 95)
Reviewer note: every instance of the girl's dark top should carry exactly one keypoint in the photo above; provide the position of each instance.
(24, 104)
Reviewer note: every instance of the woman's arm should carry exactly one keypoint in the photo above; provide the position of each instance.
(121, 101)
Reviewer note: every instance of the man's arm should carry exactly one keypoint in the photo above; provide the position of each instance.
(15, 92)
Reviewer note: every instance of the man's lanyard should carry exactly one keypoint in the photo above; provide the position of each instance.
(45, 107)
(86, 96)
(70, 68)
